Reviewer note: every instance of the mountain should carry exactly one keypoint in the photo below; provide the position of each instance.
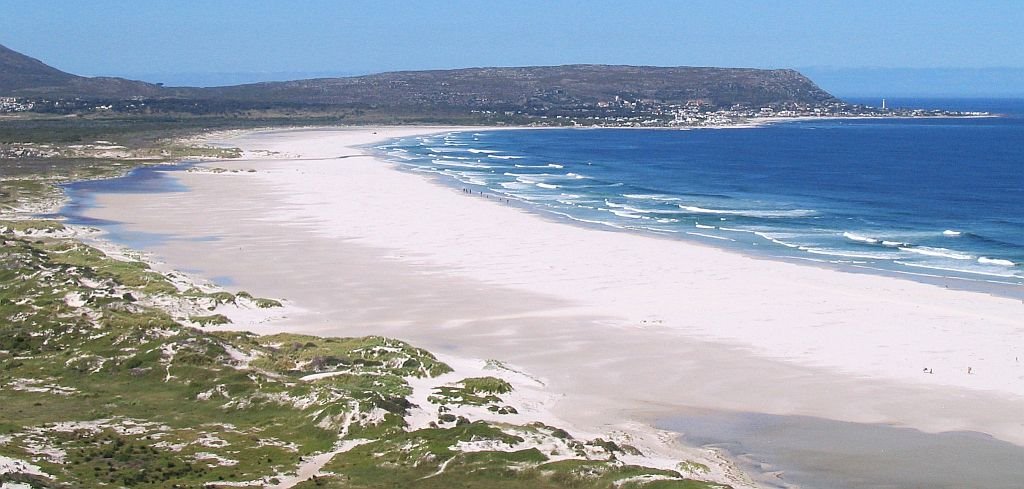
(24, 76)
(539, 89)
(542, 86)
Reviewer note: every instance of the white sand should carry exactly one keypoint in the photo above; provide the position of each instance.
(626, 327)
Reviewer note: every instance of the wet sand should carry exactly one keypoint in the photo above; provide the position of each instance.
(825, 454)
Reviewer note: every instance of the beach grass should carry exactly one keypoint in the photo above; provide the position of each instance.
(101, 388)
(432, 463)
(110, 367)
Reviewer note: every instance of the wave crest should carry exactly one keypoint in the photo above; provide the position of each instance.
(937, 252)
(750, 212)
(996, 261)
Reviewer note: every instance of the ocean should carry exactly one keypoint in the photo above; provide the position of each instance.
(932, 197)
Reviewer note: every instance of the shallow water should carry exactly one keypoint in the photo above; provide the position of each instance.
(816, 453)
(142, 180)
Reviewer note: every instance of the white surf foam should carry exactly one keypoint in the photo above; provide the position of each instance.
(624, 213)
(996, 261)
(514, 185)
(937, 252)
(589, 221)
(847, 254)
(459, 164)
(658, 197)
(445, 149)
(736, 230)
(723, 238)
(470, 180)
(776, 240)
(958, 270)
(749, 212)
(658, 230)
(860, 239)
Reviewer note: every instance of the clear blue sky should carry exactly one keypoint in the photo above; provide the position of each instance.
(153, 37)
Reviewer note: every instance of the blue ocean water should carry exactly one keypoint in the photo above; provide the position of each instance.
(940, 197)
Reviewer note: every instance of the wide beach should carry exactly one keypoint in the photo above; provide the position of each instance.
(624, 328)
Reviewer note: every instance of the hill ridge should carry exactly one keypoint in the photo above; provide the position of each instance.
(533, 88)
(23, 75)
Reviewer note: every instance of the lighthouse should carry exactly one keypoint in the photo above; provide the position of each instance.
(883, 104)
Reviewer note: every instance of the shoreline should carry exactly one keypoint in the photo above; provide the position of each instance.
(993, 285)
(598, 338)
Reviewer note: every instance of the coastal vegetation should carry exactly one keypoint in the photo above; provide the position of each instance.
(116, 374)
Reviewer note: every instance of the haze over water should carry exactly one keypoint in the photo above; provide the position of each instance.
(931, 196)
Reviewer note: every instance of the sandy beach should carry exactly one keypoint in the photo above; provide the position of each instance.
(624, 328)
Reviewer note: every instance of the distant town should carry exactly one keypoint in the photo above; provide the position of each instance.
(621, 112)
(618, 112)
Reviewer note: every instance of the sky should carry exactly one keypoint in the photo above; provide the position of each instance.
(230, 41)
